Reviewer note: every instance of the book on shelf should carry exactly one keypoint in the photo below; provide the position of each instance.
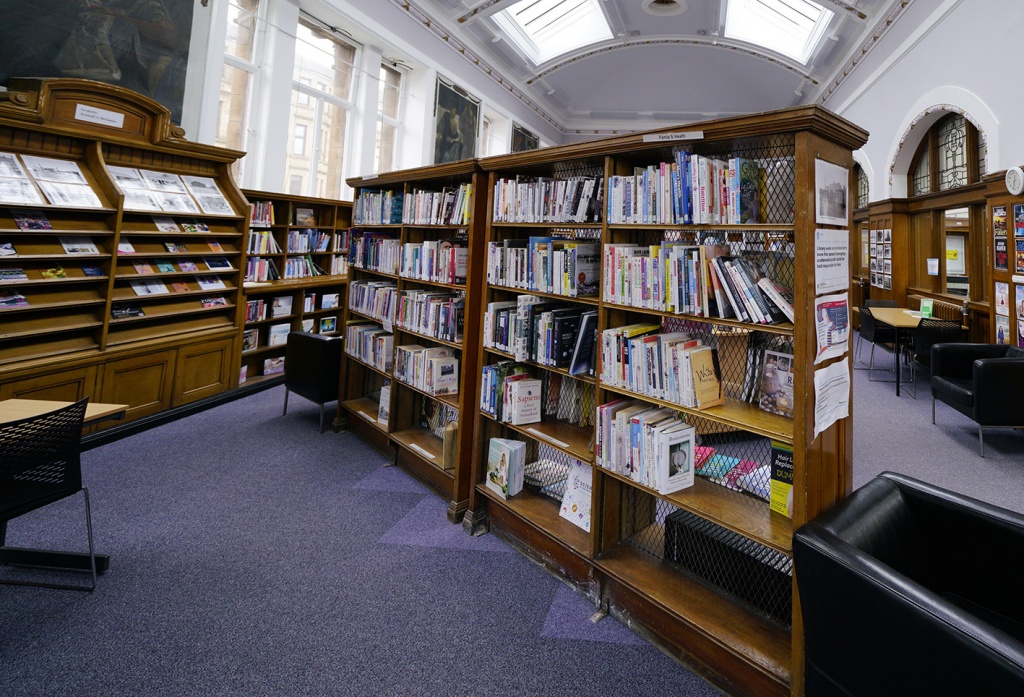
(281, 306)
(674, 452)
(384, 404)
(218, 264)
(278, 334)
(78, 245)
(7, 249)
(581, 361)
(273, 366)
(165, 267)
(143, 268)
(781, 484)
(53, 272)
(243, 374)
(180, 287)
(217, 301)
(149, 287)
(779, 295)
(506, 462)
(442, 375)
(307, 324)
(756, 482)
(10, 298)
(121, 310)
(707, 382)
(577, 500)
(250, 339)
(195, 226)
(32, 220)
(165, 224)
(777, 383)
(214, 245)
(328, 324)
(524, 401)
(12, 273)
(123, 247)
(92, 271)
(187, 266)
(210, 283)
(304, 216)
(329, 301)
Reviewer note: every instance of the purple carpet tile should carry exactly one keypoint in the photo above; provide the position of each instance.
(426, 525)
(391, 479)
(569, 618)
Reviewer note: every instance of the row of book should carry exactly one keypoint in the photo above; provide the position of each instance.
(262, 242)
(552, 333)
(691, 189)
(255, 310)
(377, 207)
(450, 206)
(328, 301)
(339, 266)
(555, 265)
(375, 251)
(369, 343)
(439, 314)
(545, 200)
(562, 398)
(672, 367)
(434, 370)
(301, 267)
(261, 213)
(374, 299)
(650, 445)
(260, 269)
(440, 261)
(309, 240)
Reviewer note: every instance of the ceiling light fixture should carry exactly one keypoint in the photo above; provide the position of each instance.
(664, 8)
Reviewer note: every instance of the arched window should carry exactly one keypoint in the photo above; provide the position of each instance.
(950, 155)
(862, 185)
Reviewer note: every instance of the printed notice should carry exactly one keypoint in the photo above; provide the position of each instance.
(831, 395)
(103, 117)
(832, 325)
(679, 135)
(831, 261)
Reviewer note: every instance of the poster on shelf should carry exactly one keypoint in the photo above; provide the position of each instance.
(831, 260)
(832, 326)
(831, 395)
(831, 193)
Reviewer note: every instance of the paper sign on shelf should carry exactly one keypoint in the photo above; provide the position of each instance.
(831, 260)
(832, 326)
(831, 395)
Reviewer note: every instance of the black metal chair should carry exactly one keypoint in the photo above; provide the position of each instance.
(871, 331)
(928, 333)
(40, 463)
(312, 369)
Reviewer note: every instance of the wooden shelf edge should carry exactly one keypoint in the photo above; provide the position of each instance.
(541, 514)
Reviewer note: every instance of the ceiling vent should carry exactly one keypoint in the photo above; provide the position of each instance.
(664, 8)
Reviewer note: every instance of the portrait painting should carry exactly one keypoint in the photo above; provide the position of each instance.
(456, 122)
(523, 140)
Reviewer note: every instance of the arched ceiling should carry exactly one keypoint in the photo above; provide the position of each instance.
(657, 70)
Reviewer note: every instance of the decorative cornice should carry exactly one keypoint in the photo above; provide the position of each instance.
(881, 29)
(846, 7)
(480, 8)
(944, 109)
(690, 41)
(428, 22)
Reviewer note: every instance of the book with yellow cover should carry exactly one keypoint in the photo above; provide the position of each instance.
(707, 383)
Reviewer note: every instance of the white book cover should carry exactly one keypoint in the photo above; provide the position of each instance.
(525, 400)
(78, 245)
(443, 375)
(675, 469)
(576, 502)
(505, 466)
(278, 334)
(210, 282)
(149, 287)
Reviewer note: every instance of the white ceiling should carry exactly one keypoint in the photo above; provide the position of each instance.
(658, 70)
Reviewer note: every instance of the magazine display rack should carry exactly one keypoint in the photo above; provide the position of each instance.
(412, 323)
(294, 277)
(707, 569)
(122, 250)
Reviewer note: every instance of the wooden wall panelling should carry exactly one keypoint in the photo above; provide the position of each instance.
(144, 382)
(203, 370)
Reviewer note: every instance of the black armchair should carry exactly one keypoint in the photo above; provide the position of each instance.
(312, 368)
(905, 589)
(928, 333)
(872, 332)
(40, 463)
(984, 382)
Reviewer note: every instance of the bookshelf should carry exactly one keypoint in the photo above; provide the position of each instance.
(123, 243)
(415, 278)
(668, 563)
(294, 236)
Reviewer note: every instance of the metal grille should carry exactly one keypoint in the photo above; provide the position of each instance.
(568, 400)
(372, 382)
(578, 168)
(775, 155)
(547, 470)
(757, 576)
(434, 416)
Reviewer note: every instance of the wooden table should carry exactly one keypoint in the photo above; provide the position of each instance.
(900, 319)
(15, 409)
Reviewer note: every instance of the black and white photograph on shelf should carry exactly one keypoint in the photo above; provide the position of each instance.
(456, 121)
(138, 44)
(522, 139)
(831, 193)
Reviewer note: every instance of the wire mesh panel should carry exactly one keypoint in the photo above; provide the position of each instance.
(435, 416)
(775, 156)
(568, 400)
(758, 576)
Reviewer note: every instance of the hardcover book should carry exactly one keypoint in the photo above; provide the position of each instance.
(674, 457)
(777, 383)
(506, 462)
(278, 334)
(525, 398)
(282, 306)
(250, 339)
(273, 366)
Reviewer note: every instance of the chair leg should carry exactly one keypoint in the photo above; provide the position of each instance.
(285, 412)
(88, 529)
(981, 440)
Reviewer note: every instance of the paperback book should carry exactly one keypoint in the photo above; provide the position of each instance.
(576, 503)
(506, 462)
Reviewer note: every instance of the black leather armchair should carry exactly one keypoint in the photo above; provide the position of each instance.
(984, 382)
(909, 589)
(312, 368)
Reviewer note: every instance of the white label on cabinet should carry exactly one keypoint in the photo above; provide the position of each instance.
(371, 419)
(548, 438)
(680, 135)
(421, 451)
(103, 117)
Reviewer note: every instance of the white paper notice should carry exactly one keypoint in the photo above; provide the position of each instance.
(933, 267)
(832, 326)
(831, 395)
(831, 261)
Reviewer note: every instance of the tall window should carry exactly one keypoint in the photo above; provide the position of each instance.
(238, 77)
(322, 89)
(389, 100)
(951, 155)
(862, 185)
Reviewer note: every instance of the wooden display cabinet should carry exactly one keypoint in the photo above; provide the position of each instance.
(122, 248)
(694, 601)
(392, 216)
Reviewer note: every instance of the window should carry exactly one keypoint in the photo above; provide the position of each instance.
(545, 29)
(949, 157)
(388, 113)
(496, 135)
(238, 76)
(794, 28)
(322, 88)
(295, 184)
(862, 186)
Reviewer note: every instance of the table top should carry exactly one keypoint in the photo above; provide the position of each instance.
(898, 317)
(14, 409)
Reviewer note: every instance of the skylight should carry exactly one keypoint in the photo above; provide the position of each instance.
(793, 28)
(543, 29)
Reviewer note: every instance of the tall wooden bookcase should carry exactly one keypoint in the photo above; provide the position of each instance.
(627, 561)
(431, 434)
(130, 293)
(296, 234)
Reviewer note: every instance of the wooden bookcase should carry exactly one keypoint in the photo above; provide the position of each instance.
(289, 230)
(131, 292)
(623, 562)
(418, 423)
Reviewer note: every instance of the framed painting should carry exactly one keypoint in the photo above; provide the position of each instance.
(456, 123)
